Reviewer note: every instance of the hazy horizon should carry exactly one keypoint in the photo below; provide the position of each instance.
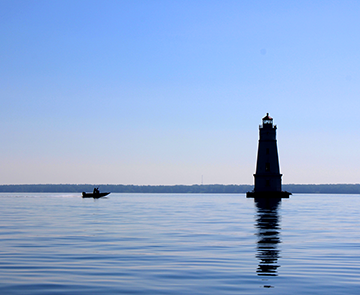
(170, 92)
(175, 184)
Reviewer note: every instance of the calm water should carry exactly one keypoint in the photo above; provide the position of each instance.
(179, 244)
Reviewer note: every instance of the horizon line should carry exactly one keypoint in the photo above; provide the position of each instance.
(200, 184)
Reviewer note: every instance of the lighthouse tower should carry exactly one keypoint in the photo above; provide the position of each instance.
(267, 176)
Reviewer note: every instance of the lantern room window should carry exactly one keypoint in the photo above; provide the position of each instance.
(267, 121)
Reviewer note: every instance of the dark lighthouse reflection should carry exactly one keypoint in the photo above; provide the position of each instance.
(267, 223)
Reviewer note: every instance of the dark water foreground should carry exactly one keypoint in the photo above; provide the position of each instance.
(179, 244)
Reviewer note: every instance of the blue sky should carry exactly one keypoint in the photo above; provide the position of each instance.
(168, 92)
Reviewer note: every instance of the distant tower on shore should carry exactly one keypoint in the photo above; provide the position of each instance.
(267, 176)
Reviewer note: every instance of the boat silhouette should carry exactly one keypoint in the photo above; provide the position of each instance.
(95, 194)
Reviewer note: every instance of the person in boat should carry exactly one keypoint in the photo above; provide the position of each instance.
(96, 190)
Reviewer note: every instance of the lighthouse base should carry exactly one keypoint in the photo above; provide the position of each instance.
(278, 195)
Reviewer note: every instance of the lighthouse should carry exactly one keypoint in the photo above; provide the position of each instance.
(267, 177)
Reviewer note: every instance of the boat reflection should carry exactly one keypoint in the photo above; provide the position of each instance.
(267, 223)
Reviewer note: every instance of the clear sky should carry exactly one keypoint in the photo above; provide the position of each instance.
(168, 92)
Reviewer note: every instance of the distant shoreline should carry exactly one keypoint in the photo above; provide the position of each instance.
(181, 189)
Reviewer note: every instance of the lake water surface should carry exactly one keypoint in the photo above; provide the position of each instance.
(179, 244)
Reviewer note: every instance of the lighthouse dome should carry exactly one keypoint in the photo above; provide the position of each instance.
(267, 117)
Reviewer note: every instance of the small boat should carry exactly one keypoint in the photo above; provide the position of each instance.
(95, 194)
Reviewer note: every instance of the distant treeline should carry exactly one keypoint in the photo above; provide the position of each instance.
(180, 189)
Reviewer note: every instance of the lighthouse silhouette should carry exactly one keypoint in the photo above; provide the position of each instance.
(267, 177)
